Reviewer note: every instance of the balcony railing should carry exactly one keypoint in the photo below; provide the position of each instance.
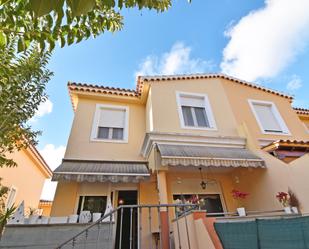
(147, 226)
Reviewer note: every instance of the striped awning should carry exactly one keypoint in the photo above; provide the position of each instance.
(101, 171)
(190, 155)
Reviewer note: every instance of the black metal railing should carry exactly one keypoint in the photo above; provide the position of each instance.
(125, 226)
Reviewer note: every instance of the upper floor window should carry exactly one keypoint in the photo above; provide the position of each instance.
(268, 117)
(11, 197)
(110, 123)
(195, 111)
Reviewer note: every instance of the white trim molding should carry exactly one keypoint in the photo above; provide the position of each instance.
(284, 129)
(11, 198)
(153, 138)
(206, 105)
(95, 124)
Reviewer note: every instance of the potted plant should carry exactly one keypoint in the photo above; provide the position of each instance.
(33, 216)
(294, 202)
(284, 199)
(239, 196)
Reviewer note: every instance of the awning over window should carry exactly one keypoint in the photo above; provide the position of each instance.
(190, 155)
(101, 171)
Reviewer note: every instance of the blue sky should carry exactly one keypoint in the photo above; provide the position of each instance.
(263, 42)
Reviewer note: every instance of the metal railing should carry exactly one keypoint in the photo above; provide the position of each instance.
(127, 224)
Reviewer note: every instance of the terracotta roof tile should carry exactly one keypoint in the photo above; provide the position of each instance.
(301, 111)
(102, 89)
(142, 79)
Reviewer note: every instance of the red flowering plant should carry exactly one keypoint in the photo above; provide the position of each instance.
(239, 196)
(283, 198)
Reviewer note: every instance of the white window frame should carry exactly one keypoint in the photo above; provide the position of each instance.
(96, 119)
(277, 115)
(208, 110)
(11, 203)
(306, 127)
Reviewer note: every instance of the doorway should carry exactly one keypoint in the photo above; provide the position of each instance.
(127, 197)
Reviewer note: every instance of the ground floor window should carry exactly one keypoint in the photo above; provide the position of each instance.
(94, 204)
(209, 202)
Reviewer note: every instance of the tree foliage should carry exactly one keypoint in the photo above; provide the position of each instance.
(66, 21)
(5, 212)
(23, 78)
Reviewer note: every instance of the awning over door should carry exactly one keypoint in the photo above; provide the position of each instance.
(190, 155)
(101, 171)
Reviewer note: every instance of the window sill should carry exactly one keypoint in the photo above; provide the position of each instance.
(125, 141)
(199, 128)
(277, 133)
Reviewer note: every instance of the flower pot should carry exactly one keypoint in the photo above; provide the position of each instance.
(241, 211)
(287, 210)
(294, 210)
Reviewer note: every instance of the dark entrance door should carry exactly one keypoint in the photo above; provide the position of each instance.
(127, 198)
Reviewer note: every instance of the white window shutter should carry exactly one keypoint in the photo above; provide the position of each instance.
(267, 117)
(114, 118)
(195, 101)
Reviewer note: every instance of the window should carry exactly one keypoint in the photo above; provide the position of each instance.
(209, 202)
(194, 111)
(268, 117)
(94, 204)
(110, 123)
(11, 197)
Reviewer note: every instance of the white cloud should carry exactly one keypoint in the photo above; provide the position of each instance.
(177, 61)
(53, 156)
(267, 40)
(295, 83)
(43, 109)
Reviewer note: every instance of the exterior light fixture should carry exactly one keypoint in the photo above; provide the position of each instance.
(203, 183)
(120, 202)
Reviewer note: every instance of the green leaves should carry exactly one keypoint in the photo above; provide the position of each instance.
(81, 7)
(23, 78)
(42, 7)
(45, 22)
(2, 39)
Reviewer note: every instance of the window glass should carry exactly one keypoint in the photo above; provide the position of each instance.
(94, 204)
(209, 202)
(117, 133)
(187, 115)
(103, 132)
(201, 117)
(195, 111)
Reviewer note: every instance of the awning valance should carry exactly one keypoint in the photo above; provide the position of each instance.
(190, 155)
(101, 171)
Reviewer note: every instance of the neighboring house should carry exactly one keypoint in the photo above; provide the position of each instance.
(158, 144)
(45, 207)
(27, 179)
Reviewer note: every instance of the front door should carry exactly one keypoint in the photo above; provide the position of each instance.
(127, 197)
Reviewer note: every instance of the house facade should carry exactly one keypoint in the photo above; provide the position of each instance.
(25, 181)
(180, 136)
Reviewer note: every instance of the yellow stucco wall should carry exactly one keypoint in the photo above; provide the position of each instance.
(159, 113)
(81, 147)
(65, 199)
(238, 96)
(27, 178)
(165, 109)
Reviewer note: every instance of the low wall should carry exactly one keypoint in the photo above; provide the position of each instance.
(191, 232)
(51, 235)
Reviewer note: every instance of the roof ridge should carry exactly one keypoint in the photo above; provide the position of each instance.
(79, 84)
(211, 75)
